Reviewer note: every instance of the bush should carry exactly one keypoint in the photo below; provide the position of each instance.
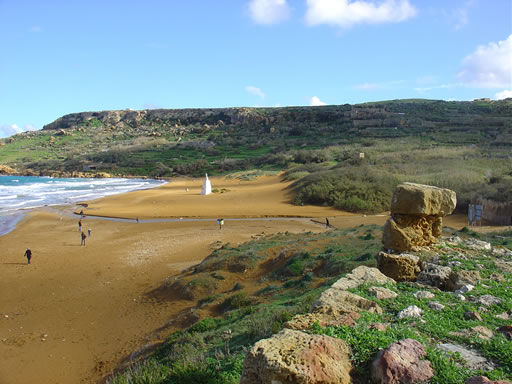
(236, 301)
(353, 189)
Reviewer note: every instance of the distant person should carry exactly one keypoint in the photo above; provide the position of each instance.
(80, 225)
(82, 213)
(89, 232)
(83, 239)
(327, 225)
(28, 255)
(220, 222)
(137, 219)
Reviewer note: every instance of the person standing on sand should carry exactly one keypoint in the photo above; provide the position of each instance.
(327, 225)
(28, 255)
(83, 239)
(80, 225)
(220, 222)
(89, 232)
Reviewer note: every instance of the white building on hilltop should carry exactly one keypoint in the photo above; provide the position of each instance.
(207, 186)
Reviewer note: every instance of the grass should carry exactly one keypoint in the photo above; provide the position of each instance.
(436, 326)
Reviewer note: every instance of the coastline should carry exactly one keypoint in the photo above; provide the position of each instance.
(61, 196)
(78, 311)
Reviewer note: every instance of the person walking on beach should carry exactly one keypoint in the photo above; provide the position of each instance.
(137, 219)
(220, 222)
(83, 239)
(327, 225)
(89, 232)
(80, 225)
(28, 255)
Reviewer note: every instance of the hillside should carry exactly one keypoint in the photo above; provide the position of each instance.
(460, 145)
(229, 310)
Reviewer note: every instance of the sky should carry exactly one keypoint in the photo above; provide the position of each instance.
(60, 57)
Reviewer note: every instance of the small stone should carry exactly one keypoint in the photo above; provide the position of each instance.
(472, 316)
(477, 245)
(382, 293)
(460, 297)
(503, 316)
(379, 326)
(6, 316)
(471, 357)
(402, 362)
(454, 263)
(465, 288)
(411, 311)
(424, 295)
(488, 300)
(435, 305)
(483, 332)
(506, 330)
(434, 275)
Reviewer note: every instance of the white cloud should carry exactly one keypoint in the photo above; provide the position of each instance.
(12, 129)
(269, 11)
(316, 102)
(490, 66)
(9, 130)
(503, 94)
(347, 13)
(255, 91)
(440, 86)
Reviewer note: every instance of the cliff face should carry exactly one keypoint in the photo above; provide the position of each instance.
(163, 142)
(212, 116)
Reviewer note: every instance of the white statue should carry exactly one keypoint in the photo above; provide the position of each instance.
(207, 186)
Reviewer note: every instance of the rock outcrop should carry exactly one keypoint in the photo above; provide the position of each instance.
(296, 357)
(416, 215)
(401, 363)
(401, 267)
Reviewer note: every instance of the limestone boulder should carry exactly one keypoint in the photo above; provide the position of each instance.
(306, 320)
(422, 200)
(337, 302)
(382, 293)
(403, 267)
(297, 357)
(462, 277)
(434, 275)
(401, 362)
(362, 275)
(403, 232)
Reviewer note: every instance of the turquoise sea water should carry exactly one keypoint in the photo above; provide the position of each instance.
(21, 193)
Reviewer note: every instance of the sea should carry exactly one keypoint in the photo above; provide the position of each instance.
(19, 194)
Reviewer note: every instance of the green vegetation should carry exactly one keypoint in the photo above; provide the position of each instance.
(437, 326)
(212, 350)
(464, 146)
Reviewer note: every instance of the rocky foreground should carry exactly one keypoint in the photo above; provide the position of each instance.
(444, 298)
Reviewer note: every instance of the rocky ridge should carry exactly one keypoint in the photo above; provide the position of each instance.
(432, 269)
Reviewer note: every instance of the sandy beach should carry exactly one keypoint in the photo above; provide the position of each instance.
(78, 311)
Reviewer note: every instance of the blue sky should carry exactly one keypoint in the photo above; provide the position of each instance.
(60, 57)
